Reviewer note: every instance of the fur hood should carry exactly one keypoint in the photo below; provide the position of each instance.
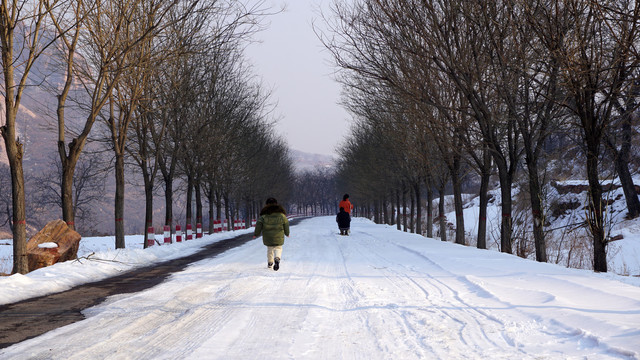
(271, 209)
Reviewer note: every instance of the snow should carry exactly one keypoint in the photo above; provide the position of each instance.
(377, 294)
(48, 245)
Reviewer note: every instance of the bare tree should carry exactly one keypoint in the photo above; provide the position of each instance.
(136, 25)
(526, 78)
(625, 26)
(599, 51)
(22, 41)
(67, 20)
(88, 187)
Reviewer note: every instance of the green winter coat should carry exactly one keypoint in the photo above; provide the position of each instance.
(273, 225)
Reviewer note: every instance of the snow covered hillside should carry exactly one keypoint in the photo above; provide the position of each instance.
(568, 242)
(378, 294)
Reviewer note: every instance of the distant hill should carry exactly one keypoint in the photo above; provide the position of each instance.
(303, 161)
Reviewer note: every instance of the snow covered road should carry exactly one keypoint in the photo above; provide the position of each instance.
(378, 294)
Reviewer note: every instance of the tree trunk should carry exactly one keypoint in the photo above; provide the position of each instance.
(211, 200)
(505, 192)
(441, 218)
(14, 155)
(68, 162)
(66, 186)
(457, 200)
(404, 209)
(198, 203)
(485, 176)
(429, 211)
(535, 194)
(14, 150)
(247, 214)
(385, 211)
(218, 206)
(416, 190)
(148, 215)
(119, 202)
(227, 212)
(20, 264)
(412, 221)
(596, 217)
(168, 200)
(376, 212)
(392, 212)
(189, 208)
(398, 213)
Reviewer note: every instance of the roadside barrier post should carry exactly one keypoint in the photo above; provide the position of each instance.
(167, 234)
(189, 232)
(178, 233)
(198, 230)
(151, 236)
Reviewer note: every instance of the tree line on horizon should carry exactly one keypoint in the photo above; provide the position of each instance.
(160, 88)
(447, 90)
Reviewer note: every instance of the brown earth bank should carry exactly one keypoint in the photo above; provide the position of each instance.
(33, 317)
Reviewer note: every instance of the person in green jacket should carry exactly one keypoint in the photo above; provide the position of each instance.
(273, 225)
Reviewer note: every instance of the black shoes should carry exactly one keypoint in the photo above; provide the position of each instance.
(276, 266)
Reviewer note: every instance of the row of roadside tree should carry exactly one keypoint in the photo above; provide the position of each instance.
(162, 85)
(443, 88)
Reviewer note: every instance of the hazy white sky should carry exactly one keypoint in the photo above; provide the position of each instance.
(291, 60)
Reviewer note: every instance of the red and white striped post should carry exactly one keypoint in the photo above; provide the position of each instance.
(198, 230)
(244, 224)
(151, 236)
(254, 222)
(217, 226)
(167, 234)
(178, 233)
(224, 225)
(189, 232)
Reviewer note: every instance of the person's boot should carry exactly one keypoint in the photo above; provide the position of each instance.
(276, 265)
(269, 265)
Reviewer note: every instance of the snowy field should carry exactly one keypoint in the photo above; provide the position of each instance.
(378, 294)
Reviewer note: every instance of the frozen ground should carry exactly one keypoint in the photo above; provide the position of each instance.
(378, 294)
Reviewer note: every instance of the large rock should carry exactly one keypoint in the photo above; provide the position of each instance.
(57, 231)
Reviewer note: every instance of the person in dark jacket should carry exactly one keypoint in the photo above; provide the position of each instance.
(344, 221)
(273, 225)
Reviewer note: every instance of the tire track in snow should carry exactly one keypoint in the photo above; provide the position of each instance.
(387, 307)
(478, 330)
(529, 327)
(433, 314)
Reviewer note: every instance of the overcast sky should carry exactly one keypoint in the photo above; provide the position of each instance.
(292, 61)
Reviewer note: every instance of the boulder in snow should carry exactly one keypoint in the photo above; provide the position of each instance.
(40, 249)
